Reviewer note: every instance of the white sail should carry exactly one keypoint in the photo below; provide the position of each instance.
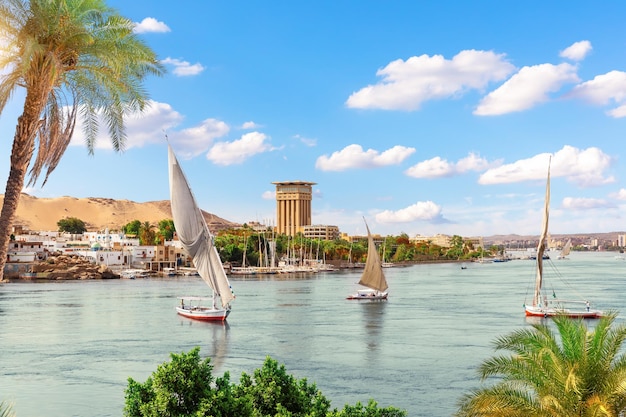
(542, 243)
(194, 233)
(373, 276)
(566, 249)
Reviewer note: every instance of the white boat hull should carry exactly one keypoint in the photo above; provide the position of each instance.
(368, 294)
(536, 311)
(204, 313)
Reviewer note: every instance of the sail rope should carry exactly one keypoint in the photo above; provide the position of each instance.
(562, 279)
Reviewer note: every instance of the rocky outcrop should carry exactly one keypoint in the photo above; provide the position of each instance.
(67, 267)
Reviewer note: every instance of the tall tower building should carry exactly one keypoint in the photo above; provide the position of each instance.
(293, 206)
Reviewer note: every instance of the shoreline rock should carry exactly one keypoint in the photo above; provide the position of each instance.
(63, 267)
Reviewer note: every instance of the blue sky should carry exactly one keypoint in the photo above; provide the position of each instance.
(422, 117)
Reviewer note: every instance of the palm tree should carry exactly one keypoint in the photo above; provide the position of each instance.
(72, 57)
(6, 410)
(147, 235)
(578, 372)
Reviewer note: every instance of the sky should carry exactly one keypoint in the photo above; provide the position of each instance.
(421, 117)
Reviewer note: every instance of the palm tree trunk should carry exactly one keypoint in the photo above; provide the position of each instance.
(21, 154)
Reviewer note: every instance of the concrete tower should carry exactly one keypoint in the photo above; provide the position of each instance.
(293, 206)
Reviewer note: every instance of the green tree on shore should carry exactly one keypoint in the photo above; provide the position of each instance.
(72, 225)
(577, 372)
(185, 386)
(132, 228)
(147, 235)
(71, 57)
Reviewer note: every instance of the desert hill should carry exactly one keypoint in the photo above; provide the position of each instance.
(98, 213)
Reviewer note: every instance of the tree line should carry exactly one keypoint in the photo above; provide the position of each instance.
(254, 247)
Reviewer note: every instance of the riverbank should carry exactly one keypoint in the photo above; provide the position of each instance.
(58, 267)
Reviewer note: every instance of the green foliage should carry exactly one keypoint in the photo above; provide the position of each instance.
(166, 229)
(147, 235)
(6, 410)
(184, 387)
(371, 410)
(274, 392)
(72, 225)
(177, 388)
(578, 372)
(132, 228)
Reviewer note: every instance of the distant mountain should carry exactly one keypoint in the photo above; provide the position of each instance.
(604, 239)
(98, 213)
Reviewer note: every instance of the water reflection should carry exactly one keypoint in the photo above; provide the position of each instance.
(373, 322)
(215, 341)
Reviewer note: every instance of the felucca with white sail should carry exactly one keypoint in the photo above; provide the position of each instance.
(542, 305)
(197, 240)
(373, 276)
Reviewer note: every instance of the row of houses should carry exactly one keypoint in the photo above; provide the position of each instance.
(114, 250)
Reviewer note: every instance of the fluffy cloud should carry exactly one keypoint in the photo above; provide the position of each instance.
(585, 203)
(439, 168)
(150, 24)
(183, 68)
(526, 89)
(582, 167)
(237, 151)
(151, 126)
(620, 195)
(604, 89)
(353, 157)
(407, 84)
(422, 210)
(577, 51)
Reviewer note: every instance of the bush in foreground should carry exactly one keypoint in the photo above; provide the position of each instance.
(185, 387)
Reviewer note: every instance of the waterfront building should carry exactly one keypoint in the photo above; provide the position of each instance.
(443, 241)
(293, 206)
(321, 232)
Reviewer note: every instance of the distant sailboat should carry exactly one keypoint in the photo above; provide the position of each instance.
(566, 250)
(373, 276)
(197, 241)
(541, 306)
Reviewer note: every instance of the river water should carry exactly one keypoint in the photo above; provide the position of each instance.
(68, 348)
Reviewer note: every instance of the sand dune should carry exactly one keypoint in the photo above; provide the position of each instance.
(97, 213)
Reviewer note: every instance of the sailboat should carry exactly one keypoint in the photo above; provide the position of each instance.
(373, 277)
(566, 250)
(541, 306)
(197, 241)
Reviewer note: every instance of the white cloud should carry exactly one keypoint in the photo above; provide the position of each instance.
(236, 152)
(150, 24)
(529, 87)
(151, 126)
(183, 68)
(141, 128)
(407, 84)
(422, 210)
(620, 195)
(353, 157)
(249, 125)
(585, 203)
(582, 167)
(193, 141)
(269, 195)
(306, 141)
(577, 51)
(439, 168)
(604, 89)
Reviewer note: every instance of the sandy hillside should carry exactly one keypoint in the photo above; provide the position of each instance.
(97, 213)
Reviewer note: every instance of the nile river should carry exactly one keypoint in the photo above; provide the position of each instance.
(68, 348)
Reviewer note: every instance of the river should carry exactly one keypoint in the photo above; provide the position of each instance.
(68, 348)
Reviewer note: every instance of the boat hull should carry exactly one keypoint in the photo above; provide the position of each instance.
(368, 295)
(204, 313)
(552, 312)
